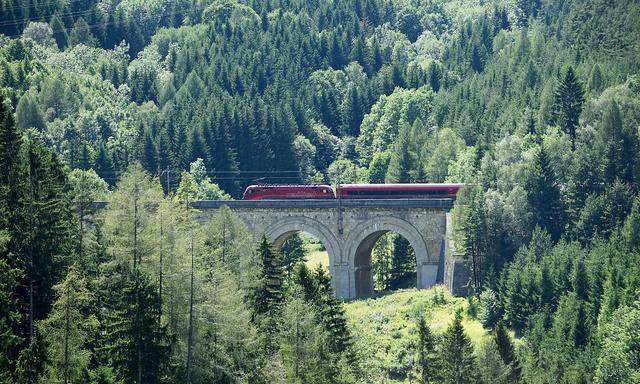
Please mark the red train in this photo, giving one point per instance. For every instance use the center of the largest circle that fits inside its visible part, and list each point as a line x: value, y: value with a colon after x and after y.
x: 351, y: 191
x: 398, y: 191
x: 288, y: 191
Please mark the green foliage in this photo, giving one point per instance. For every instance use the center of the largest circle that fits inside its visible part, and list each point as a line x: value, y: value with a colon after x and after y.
x: 568, y: 103
x: 543, y: 194
x: 456, y: 355
x: 136, y: 343
x: 66, y: 331
x: 293, y: 253
x: 427, y: 361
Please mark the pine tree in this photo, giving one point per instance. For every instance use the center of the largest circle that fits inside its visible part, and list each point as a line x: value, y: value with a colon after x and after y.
x: 66, y: 330
x: 617, y: 145
x: 402, y: 263
x: 269, y: 295
x: 458, y: 365
x: 427, y: 363
x: 81, y: 34
x: 580, y: 280
x: 506, y: 350
x: 136, y: 343
x: 28, y: 114
x: 293, y: 253
x: 543, y: 195
x: 568, y: 102
x: 59, y: 31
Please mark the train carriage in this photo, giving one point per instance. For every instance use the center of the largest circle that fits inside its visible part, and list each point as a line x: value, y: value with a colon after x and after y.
x: 285, y: 192
x: 398, y: 191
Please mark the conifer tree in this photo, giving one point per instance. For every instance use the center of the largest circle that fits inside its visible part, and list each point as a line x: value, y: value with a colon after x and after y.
x: 269, y: 295
x: 568, y: 102
x: 506, y: 350
x: 66, y: 330
x: 427, y: 363
x: 543, y: 195
x: 293, y: 252
x: 104, y: 165
x: 28, y: 114
x: 471, y: 225
x: 617, y: 146
x: 596, y: 82
x: 580, y: 280
x: 457, y: 361
x: 136, y: 343
x: 401, y: 158
x: 81, y: 34
x: 59, y: 31
x: 402, y: 263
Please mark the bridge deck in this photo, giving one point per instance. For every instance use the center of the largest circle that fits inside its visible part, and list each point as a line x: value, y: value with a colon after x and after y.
x: 317, y: 203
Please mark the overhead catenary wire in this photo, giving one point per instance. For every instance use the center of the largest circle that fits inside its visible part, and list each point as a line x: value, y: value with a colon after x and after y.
x: 146, y: 17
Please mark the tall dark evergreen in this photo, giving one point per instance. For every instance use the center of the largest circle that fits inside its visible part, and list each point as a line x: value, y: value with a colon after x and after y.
x: 268, y: 296
x: 617, y: 146
x: 568, y: 103
x: 427, y: 358
x: 543, y: 195
x: 136, y: 343
x: 457, y: 360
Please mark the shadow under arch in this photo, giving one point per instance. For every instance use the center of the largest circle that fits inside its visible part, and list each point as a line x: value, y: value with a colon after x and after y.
x: 363, y: 238
x: 282, y: 230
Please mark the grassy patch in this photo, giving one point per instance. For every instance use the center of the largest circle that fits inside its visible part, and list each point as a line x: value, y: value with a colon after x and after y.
x: 316, y: 254
x: 384, y: 328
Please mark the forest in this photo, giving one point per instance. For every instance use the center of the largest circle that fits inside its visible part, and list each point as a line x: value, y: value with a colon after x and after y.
x: 148, y: 105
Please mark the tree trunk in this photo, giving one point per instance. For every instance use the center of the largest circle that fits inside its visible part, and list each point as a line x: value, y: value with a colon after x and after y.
x: 190, y: 332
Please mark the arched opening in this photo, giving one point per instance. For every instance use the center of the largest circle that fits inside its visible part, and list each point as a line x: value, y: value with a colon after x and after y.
x: 317, y: 240
x: 384, y: 261
x: 298, y: 247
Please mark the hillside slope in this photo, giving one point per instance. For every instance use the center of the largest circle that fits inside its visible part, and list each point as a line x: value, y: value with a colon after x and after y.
x: 384, y: 328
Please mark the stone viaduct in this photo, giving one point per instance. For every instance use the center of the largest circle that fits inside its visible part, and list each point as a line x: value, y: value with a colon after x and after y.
x: 349, y: 229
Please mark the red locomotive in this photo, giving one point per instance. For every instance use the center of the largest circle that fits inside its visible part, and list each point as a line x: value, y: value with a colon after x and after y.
x: 352, y: 191
x: 276, y: 192
x: 398, y: 191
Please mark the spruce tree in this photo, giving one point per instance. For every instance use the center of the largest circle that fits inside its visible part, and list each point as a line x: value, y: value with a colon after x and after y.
x: 617, y: 146
x: 59, y: 31
x: 269, y: 295
x: 580, y: 280
x: 427, y: 363
x: 568, y: 103
x: 403, y: 263
x: 293, y: 253
x: 457, y: 361
x: 507, y: 353
x: 543, y: 195
x: 81, y: 34
x: 136, y: 343
x: 401, y: 158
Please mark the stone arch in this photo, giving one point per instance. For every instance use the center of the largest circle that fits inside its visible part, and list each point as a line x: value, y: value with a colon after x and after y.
x: 279, y: 231
x: 361, y: 241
